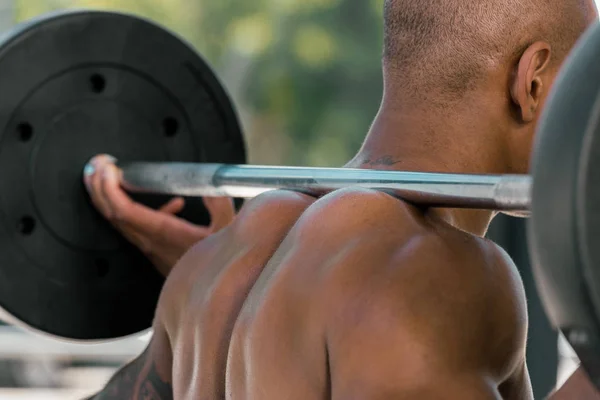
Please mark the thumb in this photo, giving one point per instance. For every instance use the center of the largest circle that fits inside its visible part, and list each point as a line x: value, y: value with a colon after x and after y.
x: 221, y: 211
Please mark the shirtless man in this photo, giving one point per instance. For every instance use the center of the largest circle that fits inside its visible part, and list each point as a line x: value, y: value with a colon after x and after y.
x: 359, y: 295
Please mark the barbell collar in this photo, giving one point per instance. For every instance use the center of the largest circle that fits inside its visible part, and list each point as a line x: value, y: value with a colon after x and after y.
x: 494, y: 192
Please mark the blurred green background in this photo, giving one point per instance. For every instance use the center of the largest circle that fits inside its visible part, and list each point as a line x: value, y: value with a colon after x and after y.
x: 305, y: 75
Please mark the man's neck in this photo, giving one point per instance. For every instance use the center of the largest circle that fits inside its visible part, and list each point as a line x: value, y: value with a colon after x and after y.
x: 413, y: 141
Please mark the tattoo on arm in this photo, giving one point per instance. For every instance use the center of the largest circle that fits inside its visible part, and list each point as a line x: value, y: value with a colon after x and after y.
x: 385, y: 160
x: 154, y: 388
x: 138, y: 380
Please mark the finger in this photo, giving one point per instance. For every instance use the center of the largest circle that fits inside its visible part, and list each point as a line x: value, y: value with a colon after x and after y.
x: 139, y: 223
x: 122, y: 208
x: 221, y: 210
x: 174, y: 206
x: 132, y: 217
x: 93, y: 182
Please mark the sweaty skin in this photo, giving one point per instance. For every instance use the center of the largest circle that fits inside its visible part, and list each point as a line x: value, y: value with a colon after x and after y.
x: 355, y: 295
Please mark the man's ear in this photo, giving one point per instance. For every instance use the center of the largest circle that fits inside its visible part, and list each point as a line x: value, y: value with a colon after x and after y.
x: 528, y: 86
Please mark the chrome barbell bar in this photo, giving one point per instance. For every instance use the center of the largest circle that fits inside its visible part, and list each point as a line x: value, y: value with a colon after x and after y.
x: 494, y: 192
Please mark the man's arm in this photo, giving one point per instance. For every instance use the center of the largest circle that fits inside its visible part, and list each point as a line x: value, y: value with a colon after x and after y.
x: 137, y: 380
x: 578, y: 386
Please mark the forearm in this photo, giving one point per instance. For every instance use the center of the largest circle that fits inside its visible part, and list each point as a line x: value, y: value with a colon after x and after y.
x: 578, y: 386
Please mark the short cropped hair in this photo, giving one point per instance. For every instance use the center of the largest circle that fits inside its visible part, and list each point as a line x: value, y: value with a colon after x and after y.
x: 445, y: 45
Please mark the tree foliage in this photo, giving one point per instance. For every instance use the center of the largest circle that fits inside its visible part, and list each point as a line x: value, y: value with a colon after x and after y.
x: 304, y: 74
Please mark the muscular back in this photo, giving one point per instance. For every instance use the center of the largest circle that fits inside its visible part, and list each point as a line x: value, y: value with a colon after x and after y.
x: 368, y: 298
x: 356, y: 295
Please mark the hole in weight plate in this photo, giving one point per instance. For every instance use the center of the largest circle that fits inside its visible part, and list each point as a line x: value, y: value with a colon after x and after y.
x: 102, y: 267
x: 25, y: 131
x: 26, y: 225
x: 98, y: 83
x: 170, y: 126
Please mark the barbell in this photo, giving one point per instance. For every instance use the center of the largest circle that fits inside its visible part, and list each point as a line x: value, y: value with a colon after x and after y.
x: 81, y: 83
x: 498, y: 192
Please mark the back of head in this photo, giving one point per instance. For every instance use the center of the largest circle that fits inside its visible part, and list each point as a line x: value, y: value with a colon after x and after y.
x: 442, y: 48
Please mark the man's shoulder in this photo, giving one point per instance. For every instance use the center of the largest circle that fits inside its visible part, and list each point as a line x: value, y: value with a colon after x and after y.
x: 407, y: 257
x: 407, y: 263
x: 358, y: 211
x: 380, y: 232
x: 271, y: 206
x: 389, y: 273
x: 399, y: 229
x: 336, y: 209
x: 339, y: 215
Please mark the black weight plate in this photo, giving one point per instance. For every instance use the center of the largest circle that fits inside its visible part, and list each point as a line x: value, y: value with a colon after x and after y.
x: 74, y: 85
x: 565, y: 225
